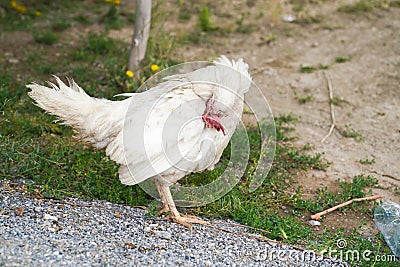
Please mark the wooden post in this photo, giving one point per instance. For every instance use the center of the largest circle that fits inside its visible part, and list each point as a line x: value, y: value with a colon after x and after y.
x: 140, y: 36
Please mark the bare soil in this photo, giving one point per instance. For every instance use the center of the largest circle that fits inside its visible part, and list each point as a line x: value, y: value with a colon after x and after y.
x: 367, y: 86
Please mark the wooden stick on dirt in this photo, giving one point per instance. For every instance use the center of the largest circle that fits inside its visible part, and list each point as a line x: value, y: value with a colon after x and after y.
x: 322, y: 213
x: 330, y: 90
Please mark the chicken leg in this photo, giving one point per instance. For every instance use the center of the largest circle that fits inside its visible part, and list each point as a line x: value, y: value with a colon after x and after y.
x: 169, y: 206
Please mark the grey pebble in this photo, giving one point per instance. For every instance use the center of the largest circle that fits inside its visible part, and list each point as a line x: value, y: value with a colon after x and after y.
x: 50, y: 217
x: 66, y: 235
x: 314, y: 223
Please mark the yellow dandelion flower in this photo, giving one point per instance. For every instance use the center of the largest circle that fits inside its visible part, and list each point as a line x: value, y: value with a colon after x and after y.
x: 38, y: 13
x: 117, y: 2
x: 22, y: 9
x: 14, y: 4
x: 129, y: 73
x: 155, y: 67
x: 108, y: 1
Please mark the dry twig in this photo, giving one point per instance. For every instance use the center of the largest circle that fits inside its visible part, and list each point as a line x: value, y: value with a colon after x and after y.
x: 322, y: 213
x: 330, y: 90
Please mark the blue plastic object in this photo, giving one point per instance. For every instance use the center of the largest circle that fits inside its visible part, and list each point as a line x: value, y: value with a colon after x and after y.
x: 387, y: 219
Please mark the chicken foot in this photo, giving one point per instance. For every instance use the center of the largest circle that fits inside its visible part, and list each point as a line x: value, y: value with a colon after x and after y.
x: 169, y: 206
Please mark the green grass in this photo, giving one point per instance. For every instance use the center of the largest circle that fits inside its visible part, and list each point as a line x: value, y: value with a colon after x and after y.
x: 205, y: 22
x: 323, y: 67
x: 349, y: 132
x: 115, y: 18
x: 267, y: 39
x: 337, y: 101
x: 311, y: 69
x: 60, y: 25
x: 194, y: 38
x: 82, y: 19
x: 11, y: 20
x: 44, y: 155
x: 303, y: 99
x: 358, y: 7
x: 185, y: 10
x: 363, y: 6
x: 326, y: 199
x: 367, y: 161
x: 243, y: 27
x: 307, y: 69
x: 342, y: 59
x: 47, y: 38
x: 99, y: 44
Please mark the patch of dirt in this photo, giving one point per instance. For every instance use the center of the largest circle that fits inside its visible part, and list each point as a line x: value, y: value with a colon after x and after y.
x: 368, y: 83
x: 367, y: 86
x: 350, y: 221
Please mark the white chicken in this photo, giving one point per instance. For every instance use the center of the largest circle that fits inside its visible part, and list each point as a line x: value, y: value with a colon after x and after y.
x: 180, y: 126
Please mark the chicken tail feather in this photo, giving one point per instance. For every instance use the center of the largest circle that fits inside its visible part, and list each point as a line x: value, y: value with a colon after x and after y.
x: 90, y: 117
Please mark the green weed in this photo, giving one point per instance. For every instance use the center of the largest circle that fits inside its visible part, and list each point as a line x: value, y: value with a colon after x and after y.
x: 84, y: 20
x: 358, y: 7
x: 245, y: 27
x: 307, y: 69
x: 185, y: 10
x: 342, y: 59
x: 326, y: 199
x: 195, y: 37
x: 268, y: 38
x: 363, y: 6
x: 60, y: 25
x: 99, y: 44
x: 205, y: 22
x: 349, y: 132
x: 303, y: 99
x: 337, y: 101
x: 367, y: 161
x: 112, y: 18
x: 323, y: 67
x: 47, y: 38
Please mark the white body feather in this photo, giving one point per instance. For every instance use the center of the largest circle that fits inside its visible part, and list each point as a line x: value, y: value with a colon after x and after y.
x: 140, y: 132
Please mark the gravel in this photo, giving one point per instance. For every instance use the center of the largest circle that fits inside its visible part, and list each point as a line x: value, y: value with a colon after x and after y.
x: 41, y: 232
